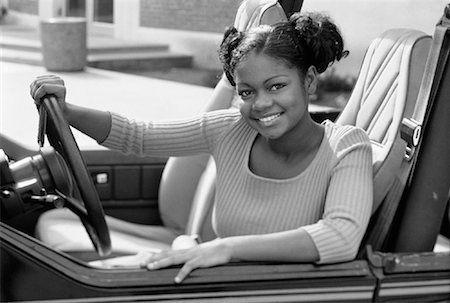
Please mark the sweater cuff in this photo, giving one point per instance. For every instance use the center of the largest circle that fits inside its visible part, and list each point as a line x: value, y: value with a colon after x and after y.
x: 115, y: 137
x: 322, y: 241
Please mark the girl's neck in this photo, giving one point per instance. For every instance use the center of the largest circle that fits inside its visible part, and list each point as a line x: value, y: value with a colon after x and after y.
x: 298, y: 142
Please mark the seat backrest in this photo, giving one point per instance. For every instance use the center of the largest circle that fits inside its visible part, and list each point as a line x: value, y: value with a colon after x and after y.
x: 386, y: 88
x: 179, y: 182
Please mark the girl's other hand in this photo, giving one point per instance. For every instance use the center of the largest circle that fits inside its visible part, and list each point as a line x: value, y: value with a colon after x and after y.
x: 207, y: 254
x: 48, y: 85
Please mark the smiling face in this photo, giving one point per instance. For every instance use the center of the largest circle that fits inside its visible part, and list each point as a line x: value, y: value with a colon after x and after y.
x: 275, y: 96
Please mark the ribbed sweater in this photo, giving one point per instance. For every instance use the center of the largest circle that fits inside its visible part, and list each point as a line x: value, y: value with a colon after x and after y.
x: 331, y: 199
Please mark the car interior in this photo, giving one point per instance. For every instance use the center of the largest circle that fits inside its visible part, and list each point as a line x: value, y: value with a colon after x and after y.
x: 383, y: 101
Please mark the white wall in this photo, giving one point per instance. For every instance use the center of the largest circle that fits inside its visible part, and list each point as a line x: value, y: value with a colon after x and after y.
x: 51, y: 9
x: 361, y: 21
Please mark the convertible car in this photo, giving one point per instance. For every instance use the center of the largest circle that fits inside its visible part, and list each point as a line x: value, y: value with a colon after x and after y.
x: 401, y: 98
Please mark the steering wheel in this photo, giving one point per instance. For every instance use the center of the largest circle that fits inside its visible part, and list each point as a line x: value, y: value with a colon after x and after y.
x: 61, y: 138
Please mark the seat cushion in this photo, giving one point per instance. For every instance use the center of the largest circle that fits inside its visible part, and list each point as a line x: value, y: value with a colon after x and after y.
x: 62, y: 230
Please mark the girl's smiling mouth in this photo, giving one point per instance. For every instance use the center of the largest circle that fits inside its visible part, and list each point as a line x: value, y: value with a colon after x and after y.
x: 269, y: 120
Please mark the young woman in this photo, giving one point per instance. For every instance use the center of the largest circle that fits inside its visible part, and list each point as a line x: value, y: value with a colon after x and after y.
x: 288, y: 189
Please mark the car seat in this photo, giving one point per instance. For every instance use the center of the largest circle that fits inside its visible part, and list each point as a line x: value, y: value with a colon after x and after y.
x: 62, y: 230
x: 386, y: 89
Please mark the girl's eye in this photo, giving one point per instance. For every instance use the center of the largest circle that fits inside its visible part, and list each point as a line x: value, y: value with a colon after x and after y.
x: 245, y: 94
x: 276, y: 86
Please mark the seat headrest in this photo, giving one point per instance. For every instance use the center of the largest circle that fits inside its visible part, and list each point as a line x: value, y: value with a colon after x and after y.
x: 253, y: 13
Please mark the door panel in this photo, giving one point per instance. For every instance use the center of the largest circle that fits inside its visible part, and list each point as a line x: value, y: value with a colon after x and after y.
x: 127, y: 185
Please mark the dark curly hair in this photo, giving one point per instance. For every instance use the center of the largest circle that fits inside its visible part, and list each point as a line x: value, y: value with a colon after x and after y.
x: 307, y: 39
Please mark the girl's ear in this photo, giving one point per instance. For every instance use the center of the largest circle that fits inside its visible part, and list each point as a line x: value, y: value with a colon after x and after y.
x: 311, y: 80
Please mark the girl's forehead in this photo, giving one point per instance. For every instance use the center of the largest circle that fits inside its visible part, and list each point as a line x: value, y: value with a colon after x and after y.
x: 260, y: 57
x: 261, y: 67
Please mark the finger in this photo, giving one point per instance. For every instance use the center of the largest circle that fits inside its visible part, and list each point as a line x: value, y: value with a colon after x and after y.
x: 172, y: 259
x: 187, y: 268
x: 47, y: 89
x: 34, y: 86
x: 158, y: 256
x: 166, y: 262
x: 165, y: 254
x: 46, y: 79
x: 50, y: 78
x: 143, y: 258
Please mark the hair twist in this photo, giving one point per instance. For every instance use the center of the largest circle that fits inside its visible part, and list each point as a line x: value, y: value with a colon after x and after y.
x: 231, y: 39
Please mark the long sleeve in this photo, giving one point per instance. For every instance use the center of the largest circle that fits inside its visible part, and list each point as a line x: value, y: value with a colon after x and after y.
x: 183, y: 137
x: 348, y: 204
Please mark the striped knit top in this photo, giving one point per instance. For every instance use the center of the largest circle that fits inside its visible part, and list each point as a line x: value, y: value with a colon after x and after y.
x: 331, y: 199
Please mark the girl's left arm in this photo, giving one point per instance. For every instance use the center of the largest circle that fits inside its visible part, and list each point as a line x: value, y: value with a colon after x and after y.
x: 334, y: 238
x: 289, y: 246
x: 349, y: 200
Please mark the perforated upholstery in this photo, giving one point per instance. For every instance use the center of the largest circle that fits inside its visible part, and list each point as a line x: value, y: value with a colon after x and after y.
x: 386, y: 88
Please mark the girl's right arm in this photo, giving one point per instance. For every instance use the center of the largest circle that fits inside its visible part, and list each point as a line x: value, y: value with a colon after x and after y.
x: 94, y: 123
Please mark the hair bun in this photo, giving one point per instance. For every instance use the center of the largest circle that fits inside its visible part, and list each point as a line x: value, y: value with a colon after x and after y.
x: 321, y: 37
x: 306, y: 26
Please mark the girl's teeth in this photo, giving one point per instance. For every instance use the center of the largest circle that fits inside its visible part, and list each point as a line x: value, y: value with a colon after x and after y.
x: 269, y: 118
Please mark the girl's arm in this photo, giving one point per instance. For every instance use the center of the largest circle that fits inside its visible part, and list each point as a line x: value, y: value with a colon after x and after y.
x: 348, y: 205
x: 287, y: 246
x: 222, y: 96
x: 92, y: 122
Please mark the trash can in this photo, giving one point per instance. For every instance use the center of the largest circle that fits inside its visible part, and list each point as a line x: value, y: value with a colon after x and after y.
x: 63, y: 42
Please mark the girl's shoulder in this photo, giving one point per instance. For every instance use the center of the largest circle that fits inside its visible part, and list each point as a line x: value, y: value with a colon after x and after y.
x: 230, y: 118
x: 230, y: 115
x: 345, y: 136
x: 223, y: 123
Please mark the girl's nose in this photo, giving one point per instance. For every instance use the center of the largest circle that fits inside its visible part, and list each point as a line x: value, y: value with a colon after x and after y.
x: 262, y: 102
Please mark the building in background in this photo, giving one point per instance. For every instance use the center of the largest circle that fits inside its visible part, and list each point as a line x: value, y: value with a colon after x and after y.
x: 196, y: 26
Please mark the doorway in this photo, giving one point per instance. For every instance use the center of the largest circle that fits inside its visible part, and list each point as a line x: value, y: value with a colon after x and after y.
x: 98, y: 13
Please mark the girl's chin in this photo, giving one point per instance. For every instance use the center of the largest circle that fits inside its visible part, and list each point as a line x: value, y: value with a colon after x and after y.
x: 268, y: 132
x: 270, y: 135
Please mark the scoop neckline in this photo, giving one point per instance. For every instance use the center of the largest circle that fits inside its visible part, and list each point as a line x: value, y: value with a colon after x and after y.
x: 284, y: 180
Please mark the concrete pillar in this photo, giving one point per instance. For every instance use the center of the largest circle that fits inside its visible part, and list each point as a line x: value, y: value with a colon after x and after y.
x: 64, y: 43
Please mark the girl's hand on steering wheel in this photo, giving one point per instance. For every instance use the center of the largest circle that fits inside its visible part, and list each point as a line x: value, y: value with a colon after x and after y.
x: 48, y: 85
x: 207, y: 254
